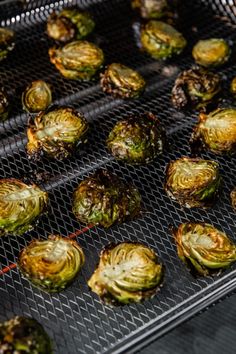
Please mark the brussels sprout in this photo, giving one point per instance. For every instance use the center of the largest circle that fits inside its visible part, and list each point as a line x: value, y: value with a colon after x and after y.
x: 195, y: 87
x: 78, y: 60
x: 69, y: 24
x: 104, y: 199
x: 127, y: 272
x: 233, y: 198
x: 51, y: 264
x: 37, y: 96
x: 20, y: 205
x: 193, y: 182
x: 4, y: 105
x: 233, y: 86
x: 204, y: 248
x: 7, y: 44
x: 137, y: 140
x: 161, y: 40
x: 122, y: 81
x: 150, y: 8
x: 216, y: 132
x: 211, y: 52
x: 21, y: 335
x: 56, y: 133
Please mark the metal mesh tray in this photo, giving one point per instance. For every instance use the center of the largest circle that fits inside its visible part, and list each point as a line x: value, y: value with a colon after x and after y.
x: 75, y: 319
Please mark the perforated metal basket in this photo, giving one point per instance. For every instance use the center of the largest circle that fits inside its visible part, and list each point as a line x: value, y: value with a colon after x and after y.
x: 75, y: 319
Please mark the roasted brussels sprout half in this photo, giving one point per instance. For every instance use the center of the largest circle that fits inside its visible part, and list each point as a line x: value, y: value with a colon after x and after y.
x: 104, y: 199
x: 127, y: 272
x: 150, y: 8
x: 55, y: 133
x: 69, y: 24
x: 78, y: 60
x: 204, y: 248
x: 7, y: 44
x: 20, y: 205
x: 4, y: 105
x: 195, y: 88
x: 22, y: 335
x: 37, y: 96
x: 233, y: 86
x: 216, y: 132
x: 161, y: 40
x: 211, y: 52
x: 122, y: 81
x: 193, y: 182
x: 137, y: 140
x: 233, y: 198
x: 51, y: 264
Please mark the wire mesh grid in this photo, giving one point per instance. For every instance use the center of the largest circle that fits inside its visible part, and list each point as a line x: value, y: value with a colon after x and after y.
x: 75, y: 319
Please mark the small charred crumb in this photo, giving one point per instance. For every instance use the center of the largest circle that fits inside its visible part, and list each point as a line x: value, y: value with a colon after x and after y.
x: 131, y: 263
x: 138, y: 139
x: 216, y: 132
x: 233, y: 87
x: 233, y: 198
x: 105, y: 199
x: 122, y: 81
x: 69, y: 24
x: 4, y: 105
x: 205, y: 249
x: 24, y: 335
x: 195, y: 88
x: 193, y: 182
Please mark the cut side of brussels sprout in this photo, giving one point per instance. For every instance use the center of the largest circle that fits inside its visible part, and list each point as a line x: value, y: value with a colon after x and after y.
x: 37, y: 96
x: 56, y: 133
x: 7, y: 44
x: 51, y: 264
x: 137, y: 140
x: 105, y: 199
x: 20, y: 206
x: 22, y: 335
x: 69, y: 24
x: 161, y: 40
x: 78, y: 60
x: 150, y: 9
x: 127, y: 272
x: 4, y: 105
x: 122, y: 81
x: 233, y: 86
x: 195, y: 88
x: 216, y: 132
x: 233, y: 198
x: 204, y: 248
x: 211, y: 52
x: 193, y: 182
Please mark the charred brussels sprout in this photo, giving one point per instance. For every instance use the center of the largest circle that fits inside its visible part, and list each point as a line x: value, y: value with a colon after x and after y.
x: 20, y: 205
x: 122, y: 81
x: 78, y: 60
x: 21, y: 335
x: 51, y: 264
x: 4, y: 106
x: 56, y: 133
x: 161, y: 40
x: 233, y: 198
x: 233, y: 86
x: 104, y: 199
x: 204, y: 248
x: 150, y: 8
x: 137, y: 140
x: 195, y: 87
x: 69, y: 24
x: 127, y: 272
x: 211, y: 52
x: 37, y: 96
x: 7, y: 44
x: 216, y: 132
x: 193, y: 182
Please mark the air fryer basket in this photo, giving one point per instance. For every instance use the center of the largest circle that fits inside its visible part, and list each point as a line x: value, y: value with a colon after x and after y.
x: 75, y: 319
